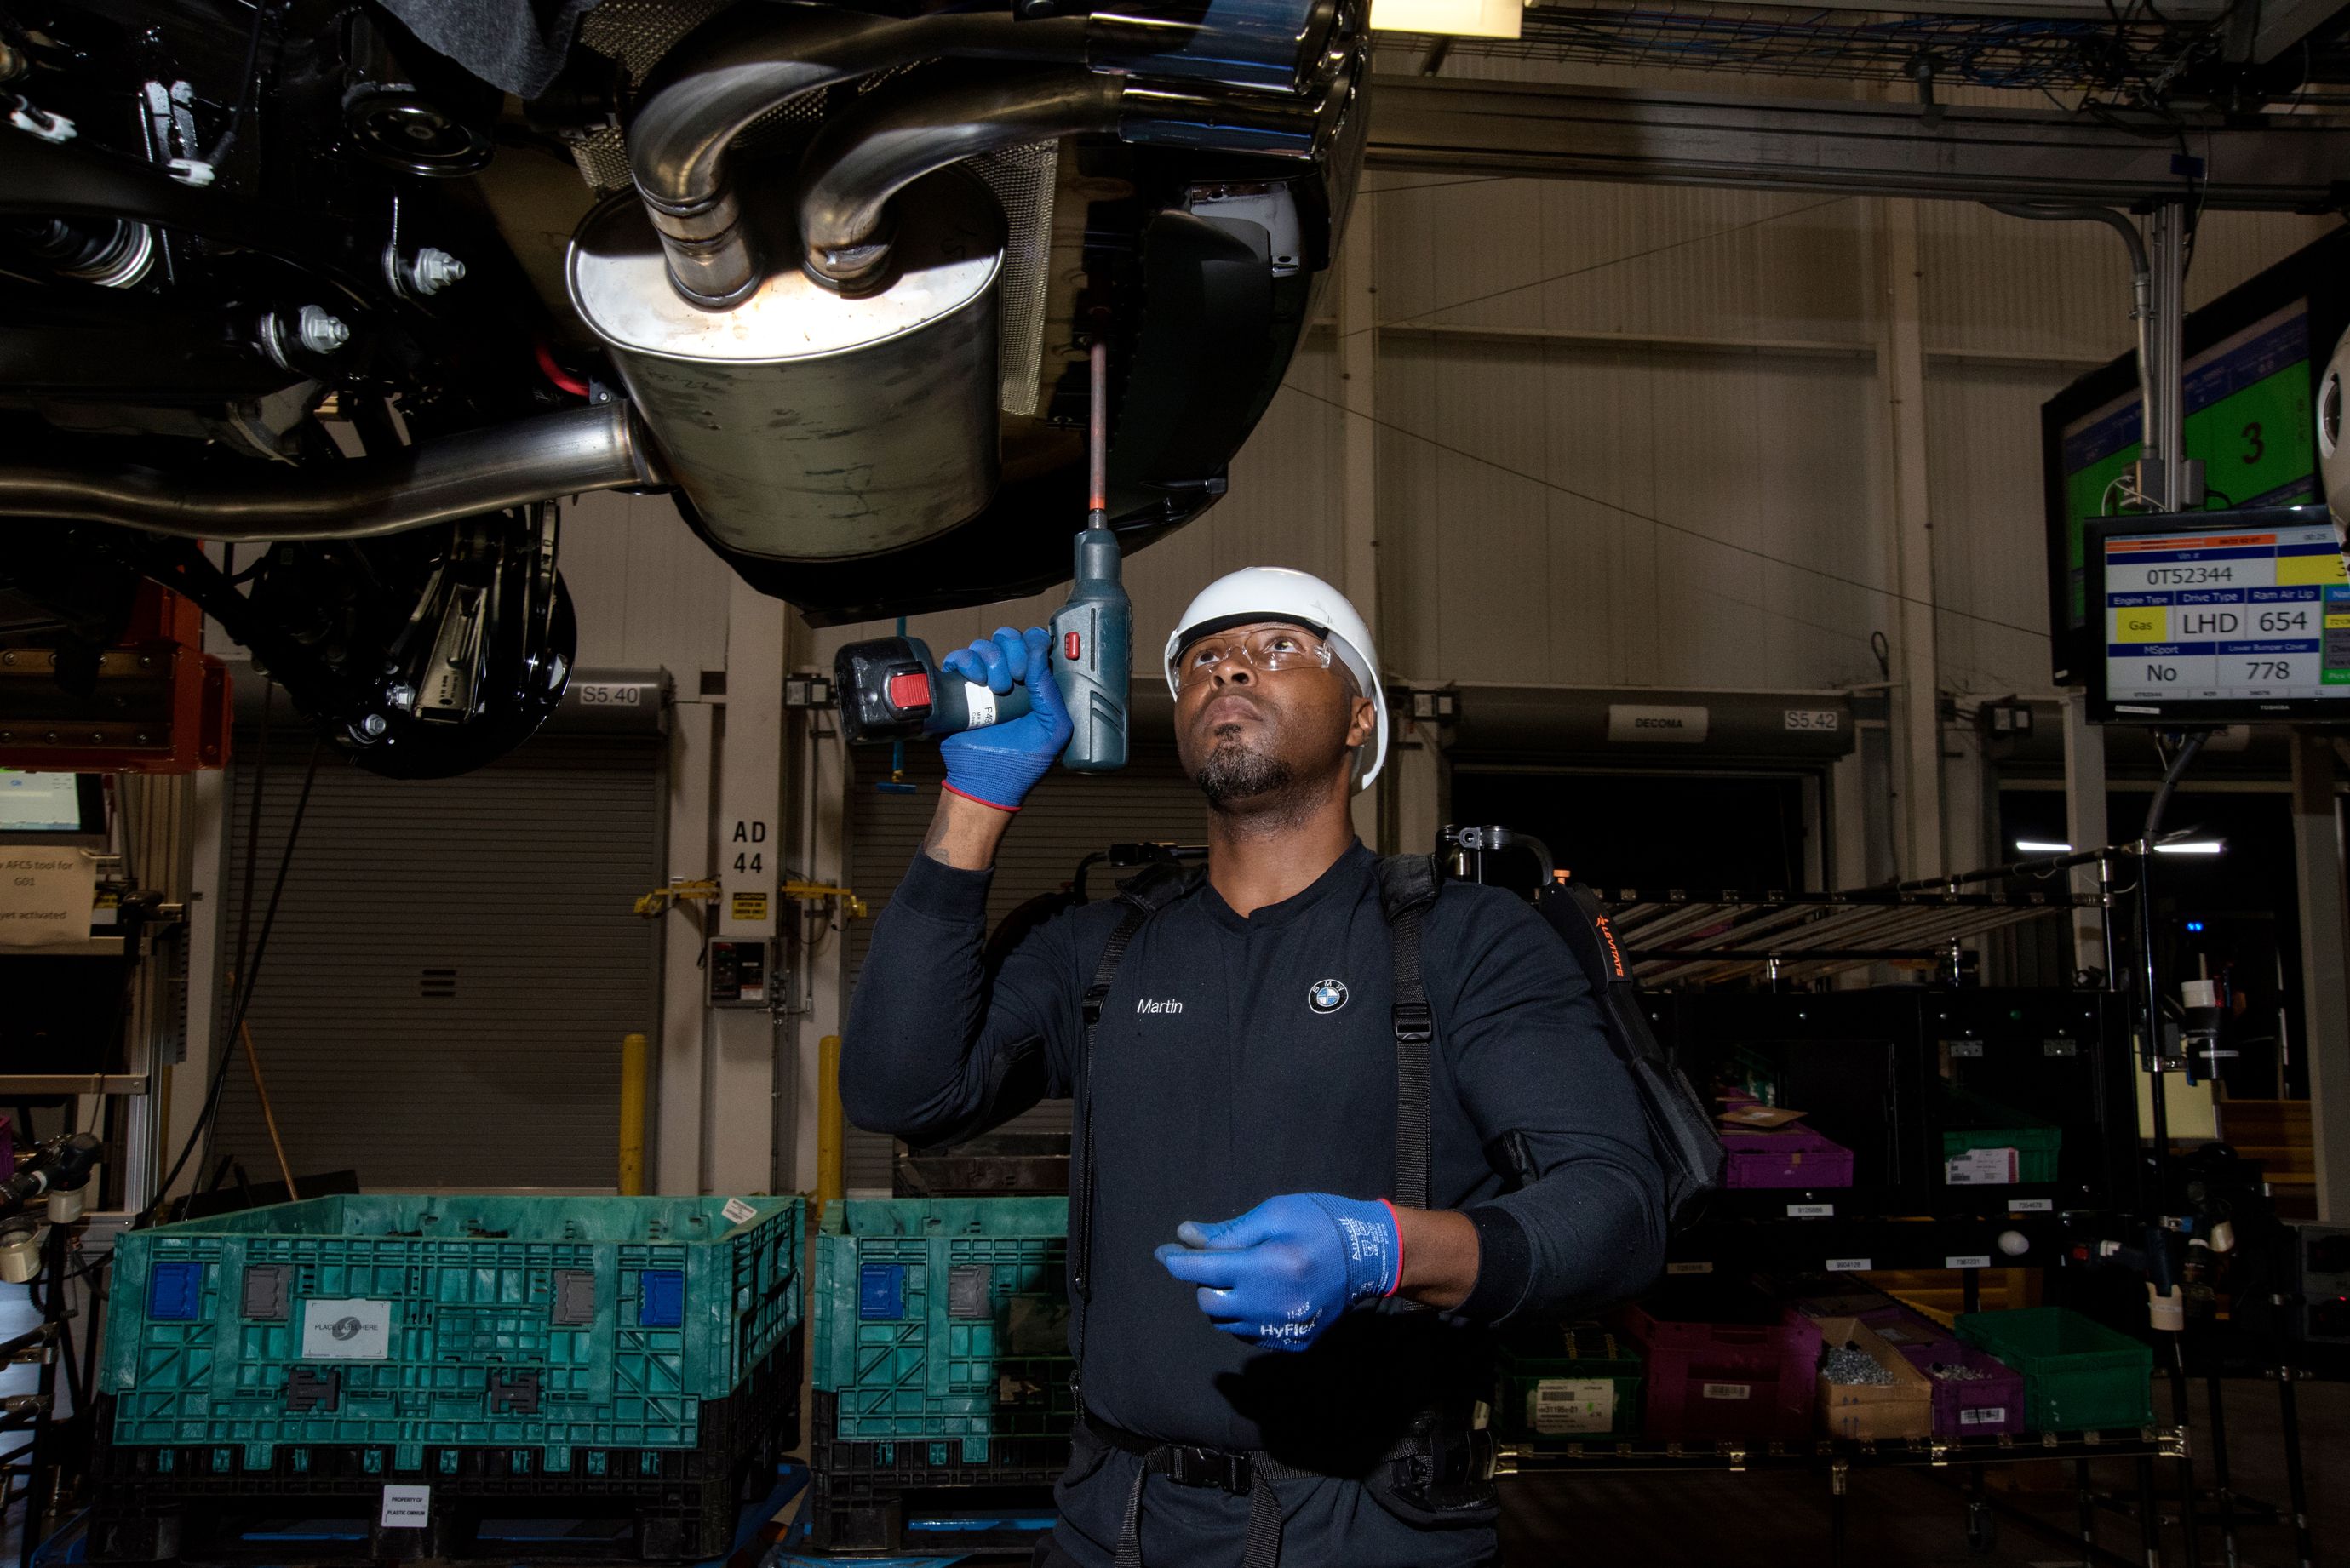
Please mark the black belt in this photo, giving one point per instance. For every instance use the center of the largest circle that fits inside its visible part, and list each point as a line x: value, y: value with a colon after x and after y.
x: 1248, y: 1475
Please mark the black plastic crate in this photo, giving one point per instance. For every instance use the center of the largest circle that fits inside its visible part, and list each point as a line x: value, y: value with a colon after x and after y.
x: 862, y: 1494
x: 198, y: 1504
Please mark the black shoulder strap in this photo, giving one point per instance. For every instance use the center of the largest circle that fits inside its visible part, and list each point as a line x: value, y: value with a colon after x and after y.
x: 1408, y: 886
x: 1580, y: 922
x: 1681, y: 1121
x: 1140, y: 898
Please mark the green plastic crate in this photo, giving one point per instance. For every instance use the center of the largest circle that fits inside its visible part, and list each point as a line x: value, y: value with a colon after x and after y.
x: 943, y: 1319
x: 2078, y: 1375
x: 402, y: 1322
x: 1972, y: 1121
x: 1568, y: 1383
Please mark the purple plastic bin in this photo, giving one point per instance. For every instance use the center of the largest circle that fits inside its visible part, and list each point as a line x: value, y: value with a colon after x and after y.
x: 1795, y: 1156
x: 1982, y: 1407
x: 1737, y: 1368
x: 1985, y: 1406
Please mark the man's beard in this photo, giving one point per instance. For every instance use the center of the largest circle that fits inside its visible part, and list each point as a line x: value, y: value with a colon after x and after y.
x: 1234, y: 774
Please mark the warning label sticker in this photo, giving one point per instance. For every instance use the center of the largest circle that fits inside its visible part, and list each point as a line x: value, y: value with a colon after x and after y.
x: 748, y: 907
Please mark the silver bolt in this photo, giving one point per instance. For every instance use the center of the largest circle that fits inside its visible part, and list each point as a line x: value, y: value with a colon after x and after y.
x: 400, y: 696
x: 319, y: 332
x: 433, y: 270
x: 373, y: 724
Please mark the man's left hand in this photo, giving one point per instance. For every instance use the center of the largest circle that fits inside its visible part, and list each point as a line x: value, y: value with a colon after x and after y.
x: 1281, y: 1274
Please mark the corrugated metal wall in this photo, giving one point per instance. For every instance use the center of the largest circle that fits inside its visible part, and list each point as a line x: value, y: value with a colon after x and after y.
x: 453, y: 964
x: 648, y: 593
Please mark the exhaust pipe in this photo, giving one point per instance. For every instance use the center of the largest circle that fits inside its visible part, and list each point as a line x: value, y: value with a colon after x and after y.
x: 748, y: 61
x: 599, y: 448
x: 864, y: 158
x: 734, y: 71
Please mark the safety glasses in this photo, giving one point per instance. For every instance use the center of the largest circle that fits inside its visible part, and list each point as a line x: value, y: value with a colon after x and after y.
x: 1266, y: 652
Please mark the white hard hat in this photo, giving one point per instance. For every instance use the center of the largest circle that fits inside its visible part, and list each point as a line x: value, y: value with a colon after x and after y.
x: 1300, y: 598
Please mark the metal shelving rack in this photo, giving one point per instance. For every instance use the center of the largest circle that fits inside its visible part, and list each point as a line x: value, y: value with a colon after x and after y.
x: 151, y: 879
x: 1677, y: 937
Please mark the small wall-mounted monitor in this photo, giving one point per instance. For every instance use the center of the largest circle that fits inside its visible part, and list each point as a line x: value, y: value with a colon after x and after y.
x: 52, y: 808
x: 2220, y: 617
x: 2253, y: 359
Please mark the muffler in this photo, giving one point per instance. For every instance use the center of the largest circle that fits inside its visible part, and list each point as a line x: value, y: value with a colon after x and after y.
x: 804, y: 422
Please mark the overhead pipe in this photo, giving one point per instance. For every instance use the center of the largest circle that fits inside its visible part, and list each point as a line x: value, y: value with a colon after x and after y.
x: 863, y: 159
x: 748, y: 61
x: 2141, y: 292
x: 596, y: 448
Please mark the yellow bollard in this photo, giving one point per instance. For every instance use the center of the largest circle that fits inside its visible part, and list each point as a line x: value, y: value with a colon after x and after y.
x: 632, y: 1115
x: 831, y: 1143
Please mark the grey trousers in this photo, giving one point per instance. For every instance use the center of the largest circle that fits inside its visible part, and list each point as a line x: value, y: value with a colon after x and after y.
x: 1327, y: 1522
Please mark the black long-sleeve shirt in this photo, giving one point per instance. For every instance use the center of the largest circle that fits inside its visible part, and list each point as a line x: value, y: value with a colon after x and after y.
x: 1222, y: 1077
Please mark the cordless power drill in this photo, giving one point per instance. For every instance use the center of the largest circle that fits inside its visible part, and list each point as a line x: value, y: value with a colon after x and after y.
x: 890, y: 689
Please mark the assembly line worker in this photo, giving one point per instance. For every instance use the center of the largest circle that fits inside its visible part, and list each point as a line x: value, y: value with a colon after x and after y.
x: 1241, y: 1344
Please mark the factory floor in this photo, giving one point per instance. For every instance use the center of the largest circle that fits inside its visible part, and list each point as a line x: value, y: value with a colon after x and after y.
x: 1915, y: 1518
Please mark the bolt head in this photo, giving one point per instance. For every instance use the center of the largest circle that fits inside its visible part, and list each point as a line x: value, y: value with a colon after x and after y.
x: 373, y: 724
x: 320, y: 332
x: 433, y: 270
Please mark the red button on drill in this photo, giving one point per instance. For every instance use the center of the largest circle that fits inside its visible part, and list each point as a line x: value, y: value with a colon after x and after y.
x: 911, y: 689
x: 1070, y: 646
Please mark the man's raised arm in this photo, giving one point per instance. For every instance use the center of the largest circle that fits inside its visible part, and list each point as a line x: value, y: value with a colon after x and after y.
x: 935, y: 1048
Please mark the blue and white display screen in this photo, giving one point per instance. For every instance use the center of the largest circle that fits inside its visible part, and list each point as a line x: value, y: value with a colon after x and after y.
x: 40, y: 803
x: 2254, y: 616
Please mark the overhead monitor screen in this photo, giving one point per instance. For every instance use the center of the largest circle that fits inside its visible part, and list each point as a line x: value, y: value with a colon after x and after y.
x: 2223, y: 615
x: 2248, y: 419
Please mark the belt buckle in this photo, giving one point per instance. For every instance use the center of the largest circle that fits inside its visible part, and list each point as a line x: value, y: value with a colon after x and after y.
x: 1212, y: 1467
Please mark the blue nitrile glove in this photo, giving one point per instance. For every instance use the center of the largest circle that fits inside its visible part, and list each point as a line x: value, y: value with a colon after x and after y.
x: 1000, y: 764
x: 1282, y: 1272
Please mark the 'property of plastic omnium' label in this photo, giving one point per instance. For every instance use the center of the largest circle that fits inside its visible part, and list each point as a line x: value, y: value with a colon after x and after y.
x: 345, y: 1331
x: 1557, y: 1406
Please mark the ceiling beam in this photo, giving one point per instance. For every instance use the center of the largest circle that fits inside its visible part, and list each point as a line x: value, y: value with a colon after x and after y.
x: 2282, y: 25
x: 1843, y: 146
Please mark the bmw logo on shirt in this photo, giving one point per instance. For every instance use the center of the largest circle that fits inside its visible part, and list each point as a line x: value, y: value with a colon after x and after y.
x: 1326, y: 995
